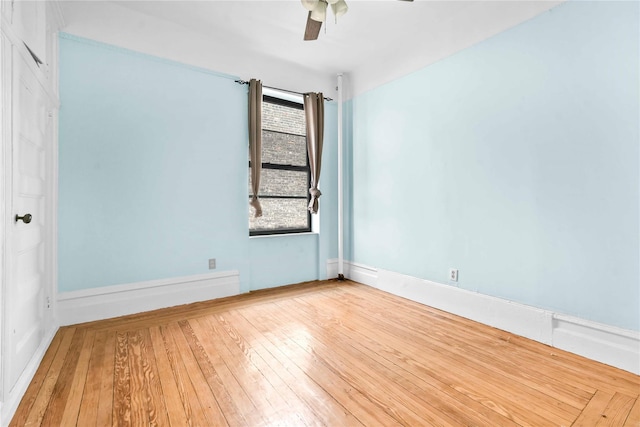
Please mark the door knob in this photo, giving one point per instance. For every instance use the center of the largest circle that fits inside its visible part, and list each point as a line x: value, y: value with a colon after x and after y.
x: 26, y: 218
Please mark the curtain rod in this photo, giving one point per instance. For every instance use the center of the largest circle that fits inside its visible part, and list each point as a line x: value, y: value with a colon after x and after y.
x: 244, y: 82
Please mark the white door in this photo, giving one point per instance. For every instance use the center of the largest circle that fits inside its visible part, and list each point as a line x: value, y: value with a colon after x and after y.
x: 28, y: 263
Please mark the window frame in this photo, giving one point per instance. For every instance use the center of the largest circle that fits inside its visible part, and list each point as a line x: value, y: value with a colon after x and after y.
x: 278, y: 166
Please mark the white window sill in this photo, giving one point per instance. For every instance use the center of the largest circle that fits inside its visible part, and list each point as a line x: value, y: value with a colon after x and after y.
x: 309, y: 233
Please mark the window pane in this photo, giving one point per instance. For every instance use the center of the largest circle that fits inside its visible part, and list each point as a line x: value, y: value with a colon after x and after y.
x: 283, y: 119
x: 284, y: 149
x: 276, y: 182
x: 283, y: 193
x: 280, y: 214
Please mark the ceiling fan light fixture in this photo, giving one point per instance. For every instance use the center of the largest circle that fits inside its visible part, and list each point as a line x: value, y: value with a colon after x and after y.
x: 319, y: 13
x: 339, y: 8
x: 332, y: 1
x: 310, y: 4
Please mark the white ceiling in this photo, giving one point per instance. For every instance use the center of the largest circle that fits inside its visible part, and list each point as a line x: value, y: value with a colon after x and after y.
x: 375, y: 42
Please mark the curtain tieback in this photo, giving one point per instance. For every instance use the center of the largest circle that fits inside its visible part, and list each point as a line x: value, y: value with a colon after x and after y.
x: 315, y: 193
x: 313, y: 204
x: 255, y: 202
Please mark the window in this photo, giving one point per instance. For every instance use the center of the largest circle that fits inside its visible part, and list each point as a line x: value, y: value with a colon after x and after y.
x: 285, y: 177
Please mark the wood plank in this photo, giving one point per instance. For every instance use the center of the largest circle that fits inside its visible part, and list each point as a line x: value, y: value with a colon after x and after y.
x: 62, y: 388
x: 176, y: 410
x: 121, y: 383
x: 633, y: 419
x: 592, y: 413
x: 157, y: 407
x: 72, y: 406
x: 147, y: 403
x: 104, y: 409
x: 617, y: 411
x: 87, y: 415
x: 138, y: 390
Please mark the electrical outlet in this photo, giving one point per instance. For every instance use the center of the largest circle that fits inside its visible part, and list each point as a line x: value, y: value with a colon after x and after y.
x: 212, y: 264
x: 453, y: 274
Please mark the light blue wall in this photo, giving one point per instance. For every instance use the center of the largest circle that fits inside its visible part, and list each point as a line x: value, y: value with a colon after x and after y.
x: 515, y: 161
x: 153, y: 175
x: 283, y: 260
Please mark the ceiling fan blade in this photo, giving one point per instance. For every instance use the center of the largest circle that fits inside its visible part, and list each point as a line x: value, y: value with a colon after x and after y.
x: 313, y: 29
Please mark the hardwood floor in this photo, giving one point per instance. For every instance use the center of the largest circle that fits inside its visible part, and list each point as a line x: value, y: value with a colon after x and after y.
x: 324, y: 353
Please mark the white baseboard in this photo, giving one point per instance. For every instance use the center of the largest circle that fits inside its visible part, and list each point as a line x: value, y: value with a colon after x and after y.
x: 613, y: 346
x: 121, y: 300
x: 332, y: 268
x: 357, y: 272
x: 603, y: 343
x: 14, y: 396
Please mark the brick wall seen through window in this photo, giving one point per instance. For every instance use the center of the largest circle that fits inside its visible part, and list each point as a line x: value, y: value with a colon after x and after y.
x: 284, y: 182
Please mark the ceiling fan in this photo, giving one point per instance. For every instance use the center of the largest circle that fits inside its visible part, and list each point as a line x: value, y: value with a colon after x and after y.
x: 318, y: 14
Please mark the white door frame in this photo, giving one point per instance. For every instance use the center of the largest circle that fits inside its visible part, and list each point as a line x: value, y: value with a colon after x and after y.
x: 10, y: 43
x: 6, y: 183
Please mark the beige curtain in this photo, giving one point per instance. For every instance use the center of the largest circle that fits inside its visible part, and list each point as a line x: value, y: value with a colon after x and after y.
x: 314, y: 113
x: 255, y: 141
